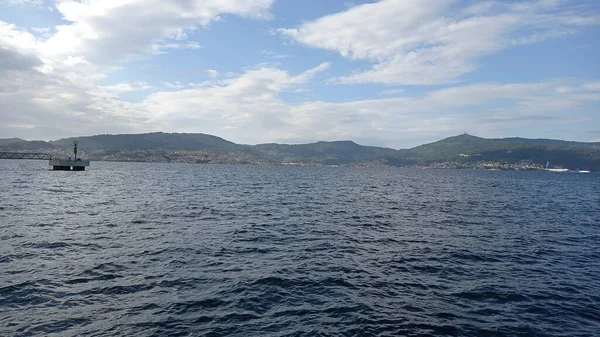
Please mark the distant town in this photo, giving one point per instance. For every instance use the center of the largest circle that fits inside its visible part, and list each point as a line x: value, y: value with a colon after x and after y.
x: 458, y: 152
x: 207, y: 157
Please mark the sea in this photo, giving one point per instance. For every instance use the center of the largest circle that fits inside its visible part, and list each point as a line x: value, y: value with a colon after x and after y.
x: 149, y: 249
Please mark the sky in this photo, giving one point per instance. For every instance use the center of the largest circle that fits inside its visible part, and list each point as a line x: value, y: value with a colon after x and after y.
x: 394, y: 73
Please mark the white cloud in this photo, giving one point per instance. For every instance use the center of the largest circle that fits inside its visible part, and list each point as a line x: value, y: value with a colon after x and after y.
x: 15, y: 38
x: 275, y: 55
x: 248, y: 109
x: 60, y: 97
x: 421, y: 42
x: 37, y: 3
x: 49, y: 88
x: 391, y: 92
x: 593, y: 86
x: 103, y: 31
x: 126, y: 87
x: 51, y: 81
x: 231, y: 98
x: 41, y: 29
x: 158, y: 49
x: 174, y: 85
x: 309, y: 74
x: 211, y: 73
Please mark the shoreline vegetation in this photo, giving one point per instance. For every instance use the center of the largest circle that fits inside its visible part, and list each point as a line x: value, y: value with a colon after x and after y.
x: 458, y: 152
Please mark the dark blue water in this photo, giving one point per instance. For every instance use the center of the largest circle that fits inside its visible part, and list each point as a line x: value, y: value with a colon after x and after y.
x: 187, y: 250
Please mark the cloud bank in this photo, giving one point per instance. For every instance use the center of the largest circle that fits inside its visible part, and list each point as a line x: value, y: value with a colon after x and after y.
x: 424, y: 42
x: 50, y: 79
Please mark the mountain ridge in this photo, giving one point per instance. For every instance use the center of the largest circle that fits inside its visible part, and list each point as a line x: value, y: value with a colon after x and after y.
x: 456, y: 151
x: 6, y: 141
x: 68, y: 141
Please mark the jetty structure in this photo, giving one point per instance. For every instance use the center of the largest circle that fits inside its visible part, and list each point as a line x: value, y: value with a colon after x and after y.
x: 75, y: 164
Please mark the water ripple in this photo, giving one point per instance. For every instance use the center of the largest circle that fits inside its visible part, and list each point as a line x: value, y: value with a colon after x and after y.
x: 184, y: 250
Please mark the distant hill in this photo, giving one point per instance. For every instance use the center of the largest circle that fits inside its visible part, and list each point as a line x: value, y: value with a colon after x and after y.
x: 152, y: 141
x: 339, y: 152
x: 7, y: 141
x: 21, y: 144
x: 467, y: 148
x: 458, y: 151
x: 468, y: 144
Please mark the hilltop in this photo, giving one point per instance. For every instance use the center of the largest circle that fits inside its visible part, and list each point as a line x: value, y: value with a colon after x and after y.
x: 21, y: 144
x: 7, y: 141
x: 467, y: 149
x: 151, y: 141
x: 338, y: 152
x: 458, y: 151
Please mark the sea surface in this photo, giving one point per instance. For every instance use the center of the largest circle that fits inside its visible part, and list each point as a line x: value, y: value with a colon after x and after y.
x: 139, y: 249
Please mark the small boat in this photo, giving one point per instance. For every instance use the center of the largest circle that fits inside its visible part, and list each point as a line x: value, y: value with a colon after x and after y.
x: 555, y: 169
x: 583, y: 171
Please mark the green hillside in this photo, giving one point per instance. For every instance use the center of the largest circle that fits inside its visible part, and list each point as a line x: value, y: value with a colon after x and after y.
x: 340, y: 152
x: 469, y: 148
x: 8, y: 141
x: 153, y: 141
x: 458, y: 151
x: 23, y: 145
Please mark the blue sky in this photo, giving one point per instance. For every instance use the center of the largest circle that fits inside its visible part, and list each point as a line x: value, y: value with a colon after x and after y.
x: 394, y: 73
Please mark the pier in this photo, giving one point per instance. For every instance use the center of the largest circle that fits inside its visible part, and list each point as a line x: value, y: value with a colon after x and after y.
x: 69, y: 164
